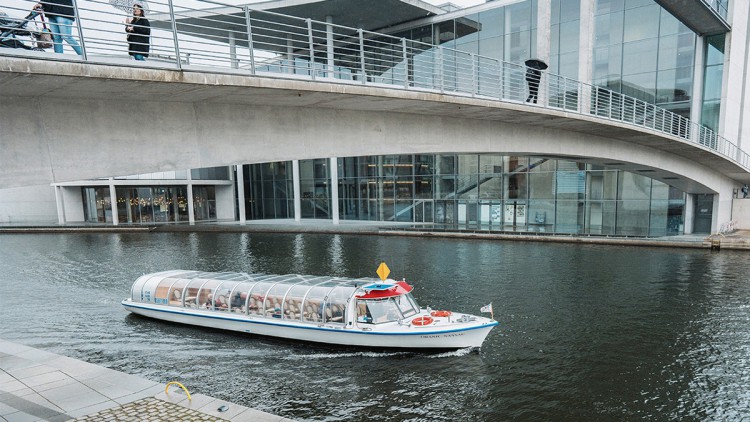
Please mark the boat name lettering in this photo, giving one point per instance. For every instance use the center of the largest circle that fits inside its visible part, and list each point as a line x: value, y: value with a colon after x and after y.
x: 442, y: 335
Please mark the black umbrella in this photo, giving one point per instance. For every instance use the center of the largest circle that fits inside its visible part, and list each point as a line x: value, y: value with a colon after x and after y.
x: 536, y: 64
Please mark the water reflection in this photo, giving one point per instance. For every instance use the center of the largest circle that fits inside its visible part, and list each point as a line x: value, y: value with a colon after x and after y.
x: 587, y: 332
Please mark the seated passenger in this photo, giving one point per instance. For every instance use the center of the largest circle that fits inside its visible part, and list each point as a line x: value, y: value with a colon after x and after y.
x: 238, y: 300
x: 209, y: 302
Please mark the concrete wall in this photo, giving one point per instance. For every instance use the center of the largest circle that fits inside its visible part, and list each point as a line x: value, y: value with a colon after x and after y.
x: 30, y: 204
x: 741, y: 213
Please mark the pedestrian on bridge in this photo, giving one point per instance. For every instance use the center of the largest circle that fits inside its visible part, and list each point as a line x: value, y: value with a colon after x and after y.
x: 61, y: 16
x: 139, y: 33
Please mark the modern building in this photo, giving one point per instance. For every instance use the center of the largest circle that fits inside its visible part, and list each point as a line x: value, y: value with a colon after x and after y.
x: 689, y: 59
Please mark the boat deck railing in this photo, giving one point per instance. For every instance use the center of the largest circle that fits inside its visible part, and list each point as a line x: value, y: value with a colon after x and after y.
x: 205, y: 35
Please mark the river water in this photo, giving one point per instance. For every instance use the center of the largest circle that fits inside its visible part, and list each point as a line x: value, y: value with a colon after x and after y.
x: 586, y: 332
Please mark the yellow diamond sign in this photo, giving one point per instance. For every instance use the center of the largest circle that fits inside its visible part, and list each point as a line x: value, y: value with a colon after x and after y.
x: 383, y: 271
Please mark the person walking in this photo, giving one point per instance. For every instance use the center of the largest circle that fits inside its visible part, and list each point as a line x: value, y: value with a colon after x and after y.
x: 139, y: 34
x: 533, y: 76
x: 61, y: 16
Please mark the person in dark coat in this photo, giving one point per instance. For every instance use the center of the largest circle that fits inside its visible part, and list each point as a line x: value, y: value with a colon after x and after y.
x: 533, y: 76
x: 62, y: 17
x: 139, y: 34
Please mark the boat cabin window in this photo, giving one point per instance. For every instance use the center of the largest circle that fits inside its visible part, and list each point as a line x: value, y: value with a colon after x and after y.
x: 257, y: 296
x: 406, y: 305
x: 335, y: 304
x: 175, y: 292
x: 313, y: 305
x: 206, y: 295
x: 292, y: 307
x: 161, y: 294
x: 191, y: 295
x: 224, y: 295
x: 378, y: 311
x: 273, y: 300
x: 239, y: 295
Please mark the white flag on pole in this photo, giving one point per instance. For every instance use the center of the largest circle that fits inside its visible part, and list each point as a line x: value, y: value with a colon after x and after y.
x: 486, y: 308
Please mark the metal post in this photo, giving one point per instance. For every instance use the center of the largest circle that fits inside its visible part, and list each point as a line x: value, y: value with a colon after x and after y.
x: 80, y: 30
x: 250, y: 40
x: 174, y: 36
x: 406, y: 63
x: 473, y: 74
x: 362, y: 55
x: 330, y: 64
x: 312, y: 48
x: 439, y: 64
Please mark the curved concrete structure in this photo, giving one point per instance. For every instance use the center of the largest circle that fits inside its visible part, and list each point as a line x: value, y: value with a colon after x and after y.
x: 64, y: 121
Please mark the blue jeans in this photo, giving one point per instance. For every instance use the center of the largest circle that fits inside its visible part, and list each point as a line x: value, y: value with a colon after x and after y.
x: 139, y: 57
x: 62, y: 29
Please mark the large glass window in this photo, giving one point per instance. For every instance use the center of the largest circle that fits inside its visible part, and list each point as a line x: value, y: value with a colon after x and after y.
x: 712, y: 81
x: 643, y: 51
x: 97, y: 207
x: 495, y: 191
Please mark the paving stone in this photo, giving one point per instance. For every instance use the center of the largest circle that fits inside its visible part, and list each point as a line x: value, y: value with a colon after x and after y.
x: 149, y: 409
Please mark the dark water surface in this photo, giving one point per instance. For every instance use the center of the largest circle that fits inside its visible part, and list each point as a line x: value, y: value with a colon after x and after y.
x: 586, y: 332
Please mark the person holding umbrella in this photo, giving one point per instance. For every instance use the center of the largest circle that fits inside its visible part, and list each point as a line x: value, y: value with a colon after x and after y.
x: 139, y: 33
x: 61, y: 16
x: 534, y: 69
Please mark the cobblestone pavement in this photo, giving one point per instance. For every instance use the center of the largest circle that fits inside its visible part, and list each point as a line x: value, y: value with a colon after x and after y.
x: 149, y: 409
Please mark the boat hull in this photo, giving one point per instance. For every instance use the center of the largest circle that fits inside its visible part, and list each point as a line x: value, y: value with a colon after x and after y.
x: 453, y: 336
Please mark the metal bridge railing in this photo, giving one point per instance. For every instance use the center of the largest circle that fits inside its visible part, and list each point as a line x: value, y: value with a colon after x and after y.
x: 225, y: 38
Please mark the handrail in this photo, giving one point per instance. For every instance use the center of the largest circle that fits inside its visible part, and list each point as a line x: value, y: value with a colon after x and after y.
x: 281, y: 46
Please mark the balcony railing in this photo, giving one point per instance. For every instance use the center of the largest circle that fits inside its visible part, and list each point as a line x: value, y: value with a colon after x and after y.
x: 218, y: 37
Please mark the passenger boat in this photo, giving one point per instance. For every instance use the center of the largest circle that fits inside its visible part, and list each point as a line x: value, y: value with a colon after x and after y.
x: 364, y: 312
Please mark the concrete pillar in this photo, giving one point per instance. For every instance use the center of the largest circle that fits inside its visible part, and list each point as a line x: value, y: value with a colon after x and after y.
x: 113, y: 202
x: 241, y: 193
x: 689, y: 213
x: 190, y: 202
x: 334, y: 189
x: 60, y: 205
x: 297, y: 194
x: 586, y: 54
x: 543, y: 39
x: 329, y: 48
x: 234, y: 63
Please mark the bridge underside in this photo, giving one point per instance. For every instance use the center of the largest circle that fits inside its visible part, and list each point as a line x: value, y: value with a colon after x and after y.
x: 71, y: 121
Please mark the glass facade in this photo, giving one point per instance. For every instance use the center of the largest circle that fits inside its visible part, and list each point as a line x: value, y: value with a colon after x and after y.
x: 642, y: 51
x: 148, y: 204
x: 492, y: 192
x: 273, y: 183
x: 712, y: 81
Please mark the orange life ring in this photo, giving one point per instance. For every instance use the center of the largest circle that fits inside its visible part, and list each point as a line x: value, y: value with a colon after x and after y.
x: 441, y: 313
x: 422, y: 321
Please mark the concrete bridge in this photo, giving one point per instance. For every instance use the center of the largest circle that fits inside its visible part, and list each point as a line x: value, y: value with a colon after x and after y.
x: 70, y: 120
x: 65, y: 121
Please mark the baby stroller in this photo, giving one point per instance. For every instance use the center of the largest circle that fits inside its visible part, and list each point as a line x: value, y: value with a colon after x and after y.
x: 10, y: 28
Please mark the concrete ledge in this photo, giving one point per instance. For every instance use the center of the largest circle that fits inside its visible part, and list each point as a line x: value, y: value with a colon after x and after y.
x: 38, y: 385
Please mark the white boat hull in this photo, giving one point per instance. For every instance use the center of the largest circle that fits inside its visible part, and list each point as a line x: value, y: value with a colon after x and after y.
x: 445, y: 333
